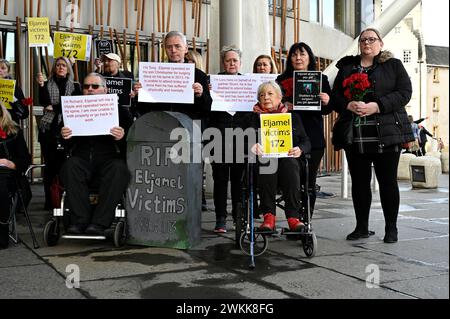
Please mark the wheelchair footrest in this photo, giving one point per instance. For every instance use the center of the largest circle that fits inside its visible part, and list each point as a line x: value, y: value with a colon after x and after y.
x: 288, y: 232
x: 264, y: 232
x: 94, y: 237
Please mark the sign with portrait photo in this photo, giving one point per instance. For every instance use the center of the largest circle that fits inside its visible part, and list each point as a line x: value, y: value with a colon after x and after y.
x: 307, y: 86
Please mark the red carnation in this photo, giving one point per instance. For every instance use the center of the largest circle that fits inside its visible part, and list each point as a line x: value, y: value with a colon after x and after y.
x: 356, y: 86
x: 3, y: 134
x: 27, y: 101
x: 288, y: 87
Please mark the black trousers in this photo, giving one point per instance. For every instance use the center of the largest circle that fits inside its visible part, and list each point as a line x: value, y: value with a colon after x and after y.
x: 385, y: 165
x: 313, y: 163
x: 287, y: 177
x: 53, y: 159
x: 6, y: 187
x: 77, y: 174
x: 222, y: 173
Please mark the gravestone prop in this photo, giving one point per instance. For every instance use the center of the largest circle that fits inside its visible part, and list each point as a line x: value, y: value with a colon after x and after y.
x: 163, y: 201
x: 104, y: 47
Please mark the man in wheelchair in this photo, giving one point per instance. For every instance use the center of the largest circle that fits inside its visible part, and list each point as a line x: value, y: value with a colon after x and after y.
x: 286, y: 176
x: 14, y: 160
x: 94, y: 157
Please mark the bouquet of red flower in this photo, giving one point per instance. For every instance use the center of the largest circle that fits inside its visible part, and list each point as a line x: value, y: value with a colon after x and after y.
x: 356, y: 86
x: 3, y: 134
x: 27, y: 101
x: 288, y: 87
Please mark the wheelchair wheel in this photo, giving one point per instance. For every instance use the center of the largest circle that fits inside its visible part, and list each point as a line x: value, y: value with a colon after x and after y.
x: 119, y: 234
x: 309, y: 242
x: 260, y: 243
x: 51, y: 233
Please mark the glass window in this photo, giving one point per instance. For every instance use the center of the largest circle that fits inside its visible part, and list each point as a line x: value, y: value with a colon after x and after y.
x: 313, y: 11
x: 328, y: 13
x: 436, y: 75
x: 436, y: 104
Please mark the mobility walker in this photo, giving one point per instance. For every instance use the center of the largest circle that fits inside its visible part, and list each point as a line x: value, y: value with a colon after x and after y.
x: 254, y: 242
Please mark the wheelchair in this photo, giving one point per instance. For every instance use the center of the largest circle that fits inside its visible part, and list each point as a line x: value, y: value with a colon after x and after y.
x: 61, y: 218
x: 18, y: 200
x: 254, y: 242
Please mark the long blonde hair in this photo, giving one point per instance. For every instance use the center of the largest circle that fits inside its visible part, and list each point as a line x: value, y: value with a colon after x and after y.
x: 6, y: 122
x: 197, y: 58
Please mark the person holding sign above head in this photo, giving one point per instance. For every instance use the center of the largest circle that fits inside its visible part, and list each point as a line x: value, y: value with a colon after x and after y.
x: 286, y: 129
x: 94, y: 158
x: 301, y: 58
x: 17, y: 107
x: 60, y: 83
x: 264, y: 64
x: 371, y: 91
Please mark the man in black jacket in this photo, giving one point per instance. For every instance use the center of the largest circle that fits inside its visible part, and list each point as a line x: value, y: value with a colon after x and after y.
x: 94, y: 158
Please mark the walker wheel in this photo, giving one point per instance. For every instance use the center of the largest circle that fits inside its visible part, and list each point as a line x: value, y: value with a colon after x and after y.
x: 119, y: 234
x: 260, y: 243
x: 51, y: 233
x: 309, y: 242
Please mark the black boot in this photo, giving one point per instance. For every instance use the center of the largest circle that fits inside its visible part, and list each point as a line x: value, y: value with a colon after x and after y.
x: 4, y: 236
x: 391, y: 234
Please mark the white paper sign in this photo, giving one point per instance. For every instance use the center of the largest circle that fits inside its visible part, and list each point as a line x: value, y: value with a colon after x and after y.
x: 166, y: 82
x: 90, y: 115
x: 236, y: 93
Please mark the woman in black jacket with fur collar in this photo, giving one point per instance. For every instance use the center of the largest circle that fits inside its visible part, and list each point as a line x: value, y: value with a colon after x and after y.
x: 377, y: 126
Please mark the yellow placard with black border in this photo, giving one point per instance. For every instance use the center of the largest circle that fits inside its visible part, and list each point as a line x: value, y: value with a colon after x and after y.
x: 38, y: 32
x: 73, y: 45
x: 276, y: 134
x: 7, y: 92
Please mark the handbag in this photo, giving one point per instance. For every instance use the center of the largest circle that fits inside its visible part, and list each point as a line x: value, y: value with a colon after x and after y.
x: 46, y: 121
x: 343, y: 131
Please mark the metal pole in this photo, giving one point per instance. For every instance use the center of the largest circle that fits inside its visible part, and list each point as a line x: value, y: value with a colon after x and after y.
x: 344, y: 179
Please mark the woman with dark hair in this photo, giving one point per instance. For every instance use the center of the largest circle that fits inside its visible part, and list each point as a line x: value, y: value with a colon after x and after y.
x: 60, y: 83
x: 18, y: 109
x: 301, y: 58
x: 14, y: 159
x: 376, y: 125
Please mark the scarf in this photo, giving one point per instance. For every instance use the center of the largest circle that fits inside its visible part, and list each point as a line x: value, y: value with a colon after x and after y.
x: 281, y: 109
x: 53, y: 90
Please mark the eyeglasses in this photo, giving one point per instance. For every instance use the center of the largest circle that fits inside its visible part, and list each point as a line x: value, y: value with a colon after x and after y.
x: 94, y: 86
x: 370, y: 40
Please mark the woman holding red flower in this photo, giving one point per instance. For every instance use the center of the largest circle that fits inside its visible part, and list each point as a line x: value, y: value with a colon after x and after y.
x: 370, y: 92
x: 14, y: 158
x: 301, y: 58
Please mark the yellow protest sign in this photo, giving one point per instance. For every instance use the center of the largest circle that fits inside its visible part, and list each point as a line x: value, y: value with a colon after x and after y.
x: 73, y: 45
x: 276, y: 134
x: 7, y: 92
x: 38, y: 32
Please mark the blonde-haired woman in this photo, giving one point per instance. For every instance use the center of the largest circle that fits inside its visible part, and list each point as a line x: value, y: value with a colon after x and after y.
x: 60, y: 83
x: 14, y: 159
x: 265, y: 64
x: 194, y: 57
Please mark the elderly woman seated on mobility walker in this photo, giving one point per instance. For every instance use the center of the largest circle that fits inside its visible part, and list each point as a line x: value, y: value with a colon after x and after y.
x: 286, y: 176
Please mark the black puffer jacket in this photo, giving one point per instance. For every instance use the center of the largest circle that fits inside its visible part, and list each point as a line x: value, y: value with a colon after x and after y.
x: 391, y: 90
x: 14, y: 148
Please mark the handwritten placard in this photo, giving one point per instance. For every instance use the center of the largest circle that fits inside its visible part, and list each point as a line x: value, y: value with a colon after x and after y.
x: 73, y: 45
x: 38, y: 32
x: 276, y: 134
x: 236, y: 93
x: 166, y: 82
x: 90, y: 115
x: 7, y: 92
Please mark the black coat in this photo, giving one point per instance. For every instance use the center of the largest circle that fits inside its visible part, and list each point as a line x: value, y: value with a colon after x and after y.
x: 312, y: 120
x: 391, y: 90
x: 15, y: 149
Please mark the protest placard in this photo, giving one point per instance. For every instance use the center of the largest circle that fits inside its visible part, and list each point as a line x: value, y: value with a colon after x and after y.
x: 276, y: 134
x: 38, y: 32
x: 73, y: 45
x: 89, y: 115
x: 104, y: 47
x: 166, y: 82
x: 7, y: 92
x: 236, y: 93
x: 121, y: 87
x: 307, y: 86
